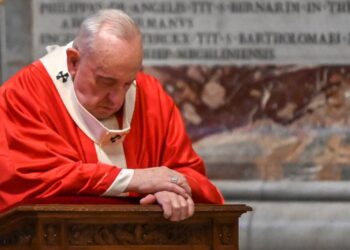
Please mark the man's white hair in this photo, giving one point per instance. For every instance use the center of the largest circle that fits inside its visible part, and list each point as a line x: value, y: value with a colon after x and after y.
x: 114, y: 21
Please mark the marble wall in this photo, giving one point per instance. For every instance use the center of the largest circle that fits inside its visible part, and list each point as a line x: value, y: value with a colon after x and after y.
x: 2, y: 41
x: 18, y: 30
x: 266, y: 122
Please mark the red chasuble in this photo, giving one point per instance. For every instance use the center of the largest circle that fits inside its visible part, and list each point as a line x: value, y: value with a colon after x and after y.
x: 45, y: 154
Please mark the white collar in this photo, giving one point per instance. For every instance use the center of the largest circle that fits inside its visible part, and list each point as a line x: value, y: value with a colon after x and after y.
x: 101, y: 132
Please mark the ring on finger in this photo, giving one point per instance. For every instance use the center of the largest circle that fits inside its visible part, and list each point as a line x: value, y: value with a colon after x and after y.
x: 174, y: 179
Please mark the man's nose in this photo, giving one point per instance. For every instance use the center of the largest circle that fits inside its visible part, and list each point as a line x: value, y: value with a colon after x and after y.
x: 116, y: 97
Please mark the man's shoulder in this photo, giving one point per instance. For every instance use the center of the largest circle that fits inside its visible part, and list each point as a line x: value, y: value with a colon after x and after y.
x: 147, y: 82
x: 33, y: 73
x: 145, y: 78
x: 152, y: 91
x: 31, y: 82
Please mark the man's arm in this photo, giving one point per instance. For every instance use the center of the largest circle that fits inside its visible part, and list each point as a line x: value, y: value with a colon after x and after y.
x: 177, y: 154
x: 180, y: 156
x: 162, y: 140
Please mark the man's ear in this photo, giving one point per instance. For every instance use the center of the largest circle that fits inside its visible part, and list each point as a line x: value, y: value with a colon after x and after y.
x: 73, y: 57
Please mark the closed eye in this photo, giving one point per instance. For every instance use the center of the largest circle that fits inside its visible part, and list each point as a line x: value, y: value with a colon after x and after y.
x: 105, y: 80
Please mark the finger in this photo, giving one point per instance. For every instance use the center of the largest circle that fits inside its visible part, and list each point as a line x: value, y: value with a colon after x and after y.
x: 184, y: 211
x: 176, y: 207
x: 177, y: 189
x: 183, y: 184
x: 187, y: 187
x: 148, y: 199
x: 164, y: 201
x: 181, y: 181
x: 190, y: 204
x: 167, y: 208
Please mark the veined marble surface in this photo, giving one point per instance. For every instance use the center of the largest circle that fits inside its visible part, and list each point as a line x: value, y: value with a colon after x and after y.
x: 266, y: 122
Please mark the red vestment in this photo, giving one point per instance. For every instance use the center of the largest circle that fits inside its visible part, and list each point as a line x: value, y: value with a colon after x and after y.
x: 47, y: 155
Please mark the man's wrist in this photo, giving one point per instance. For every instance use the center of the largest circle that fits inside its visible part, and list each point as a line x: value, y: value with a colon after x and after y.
x: 120, y: 183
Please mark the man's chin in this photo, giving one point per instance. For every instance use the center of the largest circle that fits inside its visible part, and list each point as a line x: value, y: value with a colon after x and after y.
x: 102, y: 115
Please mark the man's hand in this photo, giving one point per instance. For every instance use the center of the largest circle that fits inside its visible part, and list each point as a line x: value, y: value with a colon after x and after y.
x: 156, y: 179
x: 175, y: 207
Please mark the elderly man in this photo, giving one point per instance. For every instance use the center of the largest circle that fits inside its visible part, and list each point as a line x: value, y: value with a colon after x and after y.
x: 84, y: 121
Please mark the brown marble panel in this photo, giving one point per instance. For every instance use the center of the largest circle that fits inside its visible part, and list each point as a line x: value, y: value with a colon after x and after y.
x: 266, y: 122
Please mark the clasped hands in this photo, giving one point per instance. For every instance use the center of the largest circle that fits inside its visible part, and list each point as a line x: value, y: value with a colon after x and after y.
x: 167, y: 187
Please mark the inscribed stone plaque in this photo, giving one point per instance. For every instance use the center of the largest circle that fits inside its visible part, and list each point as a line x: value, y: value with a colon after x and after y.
x: 229, y: 32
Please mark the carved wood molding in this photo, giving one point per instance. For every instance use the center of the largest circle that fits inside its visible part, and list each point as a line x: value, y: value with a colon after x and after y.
x: 100, y: 226
x: 138, y: 234
x: 51, y: 234
x: 226, y: 234
x: 19, y: 236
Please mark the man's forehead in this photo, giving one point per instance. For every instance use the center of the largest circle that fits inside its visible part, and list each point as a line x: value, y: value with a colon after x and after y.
x: 115, y: 74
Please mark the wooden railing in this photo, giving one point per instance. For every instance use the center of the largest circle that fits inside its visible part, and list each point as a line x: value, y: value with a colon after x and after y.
x: 105, y: 227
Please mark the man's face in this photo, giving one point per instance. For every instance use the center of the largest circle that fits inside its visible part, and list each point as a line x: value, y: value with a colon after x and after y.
x: 102, y: 78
